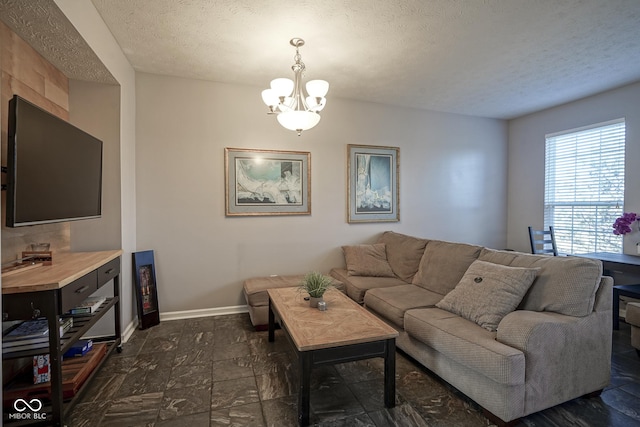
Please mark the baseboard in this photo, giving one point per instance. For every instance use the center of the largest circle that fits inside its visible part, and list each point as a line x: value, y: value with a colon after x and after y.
x: 126, y: 334
x: 205, y: 312
x: 129, y: 330
x: 187, y: 314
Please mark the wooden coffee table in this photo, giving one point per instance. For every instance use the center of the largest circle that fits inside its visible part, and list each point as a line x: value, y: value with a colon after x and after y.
x: 345, y: 332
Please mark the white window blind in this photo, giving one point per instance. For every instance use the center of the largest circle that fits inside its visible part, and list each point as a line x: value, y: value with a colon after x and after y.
x: 584, y: 187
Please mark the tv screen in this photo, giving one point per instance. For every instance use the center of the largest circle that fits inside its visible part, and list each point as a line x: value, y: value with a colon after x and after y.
x: 54, y: 170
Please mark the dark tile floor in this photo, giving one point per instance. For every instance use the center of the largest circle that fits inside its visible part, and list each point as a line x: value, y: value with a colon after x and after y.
x: 218, y: 371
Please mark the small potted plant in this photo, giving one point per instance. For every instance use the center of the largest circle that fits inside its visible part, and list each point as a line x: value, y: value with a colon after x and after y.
x: 315, y: 284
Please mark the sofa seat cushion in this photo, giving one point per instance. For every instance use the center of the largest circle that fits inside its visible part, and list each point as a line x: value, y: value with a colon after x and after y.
x: 367, y: 260
x: 403, y: 253
x: 488, y: 292
x: 443, y: 265
x: 392, y: 303
x: 357, y: 286
x: 565, y: 284
x: 466, y: 343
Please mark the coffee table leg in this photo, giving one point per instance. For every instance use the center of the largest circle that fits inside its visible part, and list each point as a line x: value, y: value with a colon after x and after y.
x: 304, y: 362
x: 390, y: 373
x: 272, y: 321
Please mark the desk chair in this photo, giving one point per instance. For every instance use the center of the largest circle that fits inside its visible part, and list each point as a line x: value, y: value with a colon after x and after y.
x: 543, y: 241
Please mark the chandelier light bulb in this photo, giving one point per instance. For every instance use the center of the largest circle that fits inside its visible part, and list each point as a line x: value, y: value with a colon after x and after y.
x: 298, y: 120
x: 270, y: 98
x: 282, y: 86
x: 317, y: 88
x: 296, y: 110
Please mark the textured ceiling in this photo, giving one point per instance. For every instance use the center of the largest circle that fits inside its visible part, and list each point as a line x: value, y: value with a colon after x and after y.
x: 489, y: 58
x: 41, y: 24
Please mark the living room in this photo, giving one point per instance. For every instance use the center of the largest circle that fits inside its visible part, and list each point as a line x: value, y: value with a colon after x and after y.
x: 463, y: 178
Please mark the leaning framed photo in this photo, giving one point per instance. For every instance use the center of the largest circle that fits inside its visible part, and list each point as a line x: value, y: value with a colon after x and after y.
x: 374, y: 187
x: 267, y: 182
x: 144, y: 269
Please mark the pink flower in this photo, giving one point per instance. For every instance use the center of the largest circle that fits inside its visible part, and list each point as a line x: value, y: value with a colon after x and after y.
x: 623, y: 223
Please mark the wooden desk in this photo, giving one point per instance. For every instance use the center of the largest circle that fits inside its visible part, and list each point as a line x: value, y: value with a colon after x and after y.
x: 50, y: 291
x: 616, y: 262
x: 613, y: 262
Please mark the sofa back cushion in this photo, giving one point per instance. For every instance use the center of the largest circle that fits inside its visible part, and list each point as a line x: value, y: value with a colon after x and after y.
x: 367, y: 260
x: 443, y: 265
x: 565, y: 284
x: 403, y: 253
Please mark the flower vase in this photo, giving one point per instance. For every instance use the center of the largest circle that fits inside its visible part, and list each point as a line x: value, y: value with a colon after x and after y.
x: 313, y: 301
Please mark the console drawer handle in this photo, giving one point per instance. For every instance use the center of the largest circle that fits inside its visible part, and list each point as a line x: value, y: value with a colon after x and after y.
x: 109, y: 271
x: 82, y: 289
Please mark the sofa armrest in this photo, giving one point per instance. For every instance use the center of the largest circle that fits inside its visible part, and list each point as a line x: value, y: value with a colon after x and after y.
x: 535, y: 330
x: 566, y: 356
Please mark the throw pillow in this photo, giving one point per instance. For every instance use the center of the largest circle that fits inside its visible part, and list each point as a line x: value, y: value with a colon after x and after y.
x: 487, y: 292
x: 367, y: 260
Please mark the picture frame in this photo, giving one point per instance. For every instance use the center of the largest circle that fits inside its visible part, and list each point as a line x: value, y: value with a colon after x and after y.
x: 374, y: 186
x: 146, y: 289
x: 267, y: 182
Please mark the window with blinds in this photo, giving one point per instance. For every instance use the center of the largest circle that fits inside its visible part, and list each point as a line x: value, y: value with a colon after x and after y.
x: 584, y: 187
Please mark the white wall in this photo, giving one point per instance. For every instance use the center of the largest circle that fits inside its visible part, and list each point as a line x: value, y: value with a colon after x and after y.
x: 526, y: 157
x: 452, y: 176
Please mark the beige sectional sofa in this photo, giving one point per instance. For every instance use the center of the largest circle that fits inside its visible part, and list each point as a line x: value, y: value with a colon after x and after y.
x: 516, y: 333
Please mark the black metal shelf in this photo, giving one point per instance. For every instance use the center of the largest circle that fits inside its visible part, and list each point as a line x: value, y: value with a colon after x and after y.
x: 81, y: 324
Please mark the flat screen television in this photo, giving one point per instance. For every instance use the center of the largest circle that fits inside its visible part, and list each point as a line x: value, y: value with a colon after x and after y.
x: 54, y: 169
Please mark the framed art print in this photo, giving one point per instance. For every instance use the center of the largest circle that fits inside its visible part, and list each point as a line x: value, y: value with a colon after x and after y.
x: 267, y: 182
x: 146, y: 289
x: 373, y: 192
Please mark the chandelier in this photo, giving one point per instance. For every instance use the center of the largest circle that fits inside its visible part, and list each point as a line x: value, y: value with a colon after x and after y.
x: 286, y: 99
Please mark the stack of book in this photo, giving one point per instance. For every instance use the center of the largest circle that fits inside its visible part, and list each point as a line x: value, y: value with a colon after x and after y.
x: 79, y: 349
x: 31, y: 334
x: 88, y: 306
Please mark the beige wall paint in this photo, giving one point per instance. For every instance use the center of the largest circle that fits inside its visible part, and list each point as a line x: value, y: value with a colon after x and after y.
x: 95, y: 108
x: 101, y: 119
x: 526, y: 157
x: 452, y: 176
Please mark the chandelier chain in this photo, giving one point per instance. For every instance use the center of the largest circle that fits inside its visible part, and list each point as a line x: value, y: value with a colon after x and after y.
x: 299, y: 64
